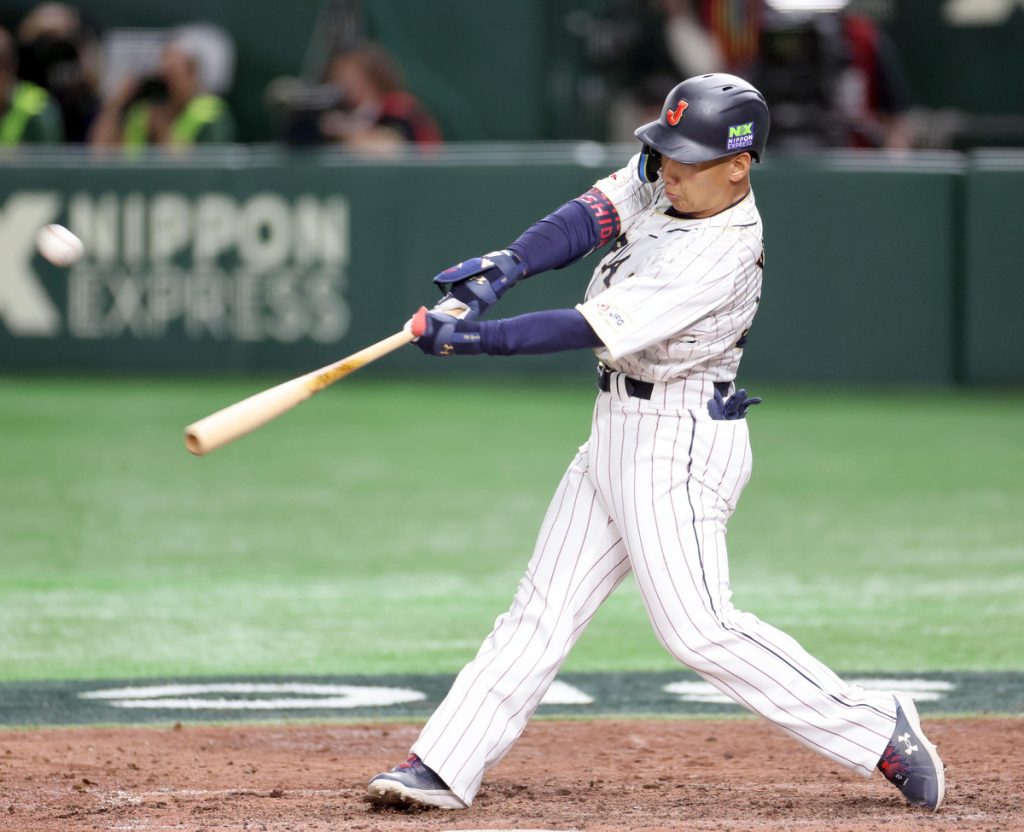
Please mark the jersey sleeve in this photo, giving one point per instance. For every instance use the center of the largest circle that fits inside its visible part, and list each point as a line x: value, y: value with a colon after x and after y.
x: 650, y: 307
x: 627, y: 193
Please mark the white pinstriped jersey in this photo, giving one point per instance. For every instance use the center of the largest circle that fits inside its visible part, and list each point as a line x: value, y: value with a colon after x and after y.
x: 651, y: 492
x: 674, y: 297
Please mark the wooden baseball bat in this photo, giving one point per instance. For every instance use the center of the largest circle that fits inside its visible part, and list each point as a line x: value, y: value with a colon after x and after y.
x: 245, y: 416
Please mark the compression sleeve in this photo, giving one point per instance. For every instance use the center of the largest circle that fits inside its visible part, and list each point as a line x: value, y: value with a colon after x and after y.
x: 535, y: 333
x: 567, y: 234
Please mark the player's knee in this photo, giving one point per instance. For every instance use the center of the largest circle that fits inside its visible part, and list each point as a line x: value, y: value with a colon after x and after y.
x: 700, y: 646
x: 688, y: 650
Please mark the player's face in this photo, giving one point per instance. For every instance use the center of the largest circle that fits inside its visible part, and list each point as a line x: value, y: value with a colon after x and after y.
x: 705, y: 188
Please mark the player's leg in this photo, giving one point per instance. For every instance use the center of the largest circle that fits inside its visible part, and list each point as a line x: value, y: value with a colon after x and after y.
x: 680, y: 479
x: 578, y: 560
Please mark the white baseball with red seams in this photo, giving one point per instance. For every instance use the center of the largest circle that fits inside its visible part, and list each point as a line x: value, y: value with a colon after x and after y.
x: 58, y: 245
x: 651, y: 492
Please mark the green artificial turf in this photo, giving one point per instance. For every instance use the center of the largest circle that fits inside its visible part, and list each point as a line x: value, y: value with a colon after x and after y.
x: 383, y: 526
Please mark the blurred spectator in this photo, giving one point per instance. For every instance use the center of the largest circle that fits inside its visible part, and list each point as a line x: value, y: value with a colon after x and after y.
x: 690, y: 46
x: 735, y: 25
x: 832, y: 78
x: 376, y: 110
x: 59, y: 52
x: 172, y: 108
x: 28, y: 114
x: 658, y: 44
x: 874, y: 99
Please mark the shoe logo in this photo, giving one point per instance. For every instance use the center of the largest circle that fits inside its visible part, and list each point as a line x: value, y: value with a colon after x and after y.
x: 673, y: 116
x: 908, y: 747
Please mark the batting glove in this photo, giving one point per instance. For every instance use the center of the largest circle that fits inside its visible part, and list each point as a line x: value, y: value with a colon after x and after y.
x: 735, y: 407
x: 441, y: 334
x: 474, y: 286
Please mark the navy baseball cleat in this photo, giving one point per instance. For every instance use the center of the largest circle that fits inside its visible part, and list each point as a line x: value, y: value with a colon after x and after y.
x: 413, y: 783
x: 910, y: 762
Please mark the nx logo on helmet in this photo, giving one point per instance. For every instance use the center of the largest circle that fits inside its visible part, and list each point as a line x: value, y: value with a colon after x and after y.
x: 673, y: 116
x: 740, y: 136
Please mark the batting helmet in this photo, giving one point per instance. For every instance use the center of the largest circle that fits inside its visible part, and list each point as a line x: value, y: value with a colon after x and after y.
x: 706, y: 117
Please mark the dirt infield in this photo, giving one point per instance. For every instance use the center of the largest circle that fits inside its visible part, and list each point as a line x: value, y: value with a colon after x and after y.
x: 599, y: 775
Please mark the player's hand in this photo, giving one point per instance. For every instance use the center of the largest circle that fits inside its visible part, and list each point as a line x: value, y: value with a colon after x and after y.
x: 735, y: 407
x: 476, y: 285
x: 441, y: 334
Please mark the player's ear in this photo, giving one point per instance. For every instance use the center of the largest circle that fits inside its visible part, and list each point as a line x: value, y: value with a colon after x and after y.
x: 739, y: 167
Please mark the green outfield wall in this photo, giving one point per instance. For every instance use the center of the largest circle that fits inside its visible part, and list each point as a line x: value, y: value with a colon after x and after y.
x: 251, y: 261
x: 994, y: 261
x: 860, y: 272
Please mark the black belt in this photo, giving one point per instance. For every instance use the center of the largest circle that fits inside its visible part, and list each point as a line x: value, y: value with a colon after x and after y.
x: 634, y: 387
x: 641, y: 389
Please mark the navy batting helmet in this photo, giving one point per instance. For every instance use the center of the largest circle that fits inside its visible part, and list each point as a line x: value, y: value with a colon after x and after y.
x: 706, y: 117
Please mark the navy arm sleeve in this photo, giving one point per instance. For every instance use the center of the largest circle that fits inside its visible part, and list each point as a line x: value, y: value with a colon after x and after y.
x: 569, y: 233
x: 535, y: 333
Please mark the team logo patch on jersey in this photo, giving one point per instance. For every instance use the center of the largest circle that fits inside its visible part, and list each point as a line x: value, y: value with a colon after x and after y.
x: 673, y: 116
x: 740, y: 136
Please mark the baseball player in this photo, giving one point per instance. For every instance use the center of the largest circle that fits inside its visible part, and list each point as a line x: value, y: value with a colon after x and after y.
x: 667, y: 313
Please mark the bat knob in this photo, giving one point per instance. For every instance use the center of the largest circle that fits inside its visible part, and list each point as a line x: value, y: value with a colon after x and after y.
x: 419, y: 322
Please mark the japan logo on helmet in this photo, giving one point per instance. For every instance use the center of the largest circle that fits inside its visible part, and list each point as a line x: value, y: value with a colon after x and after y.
x: 673, y: 116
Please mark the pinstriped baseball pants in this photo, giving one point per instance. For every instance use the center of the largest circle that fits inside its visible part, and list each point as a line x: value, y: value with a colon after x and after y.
x: 651, y: 493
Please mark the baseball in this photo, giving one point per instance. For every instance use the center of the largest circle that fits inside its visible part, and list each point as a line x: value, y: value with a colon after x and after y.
x: 58, y: 245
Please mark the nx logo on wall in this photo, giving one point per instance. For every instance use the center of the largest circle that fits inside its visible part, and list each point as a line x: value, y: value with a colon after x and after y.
x: 210, y: 266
